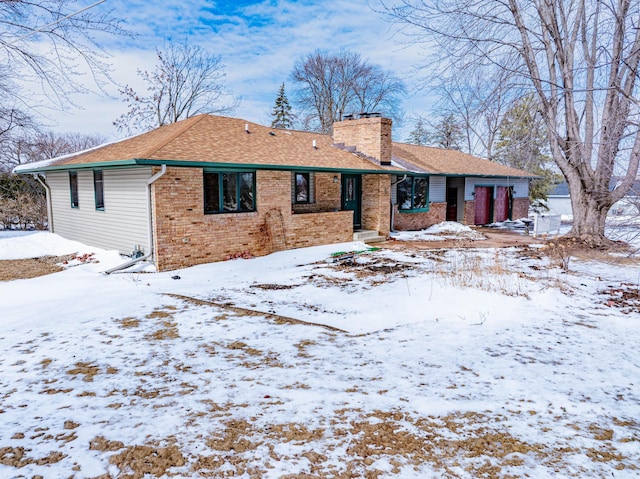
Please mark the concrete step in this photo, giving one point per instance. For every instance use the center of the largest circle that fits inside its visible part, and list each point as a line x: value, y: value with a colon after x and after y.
x: 368, y: 236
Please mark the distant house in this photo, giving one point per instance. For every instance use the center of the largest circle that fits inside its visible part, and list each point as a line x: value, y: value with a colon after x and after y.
x: 559, y: 200
x: 209, y: 187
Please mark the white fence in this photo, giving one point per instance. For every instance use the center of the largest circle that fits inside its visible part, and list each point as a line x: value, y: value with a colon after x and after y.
x: 545, y: 223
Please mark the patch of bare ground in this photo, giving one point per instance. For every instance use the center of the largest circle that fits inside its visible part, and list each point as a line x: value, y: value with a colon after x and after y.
x: 494, y: 239
x: 460, y: 444
x: 30, y: 268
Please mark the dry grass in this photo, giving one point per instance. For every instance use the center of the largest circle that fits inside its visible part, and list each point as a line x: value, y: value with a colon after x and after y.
x: 30, y: 268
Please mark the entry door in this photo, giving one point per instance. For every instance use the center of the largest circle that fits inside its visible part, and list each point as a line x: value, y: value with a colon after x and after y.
x: 352, y: 197
x: 483, y: 198
x: 503, y: 203
x: 452, y: 204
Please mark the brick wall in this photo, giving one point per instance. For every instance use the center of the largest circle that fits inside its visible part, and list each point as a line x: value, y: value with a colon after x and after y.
x: 185, y: 236
x: 371, y: 136
x: 376, y: 201
x: 469, y: 213
x: 416, y: 221
x: 520, y: 208
x: 326, y: 192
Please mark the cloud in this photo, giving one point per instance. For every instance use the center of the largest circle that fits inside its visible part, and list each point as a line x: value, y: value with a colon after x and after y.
x: 258, y: 41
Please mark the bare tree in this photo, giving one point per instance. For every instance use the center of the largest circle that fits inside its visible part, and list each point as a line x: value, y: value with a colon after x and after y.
x: 186, y: 81
x: 579, y: 57
x: 478, y: 99
x: 48, y: 43
x: 33, y: 145
x: 331, y: 86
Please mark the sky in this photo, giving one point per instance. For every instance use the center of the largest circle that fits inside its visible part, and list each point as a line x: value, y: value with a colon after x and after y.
x: 259, y: 42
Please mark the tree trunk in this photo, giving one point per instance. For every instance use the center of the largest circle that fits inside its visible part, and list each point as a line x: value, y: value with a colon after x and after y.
x: 589, y: 213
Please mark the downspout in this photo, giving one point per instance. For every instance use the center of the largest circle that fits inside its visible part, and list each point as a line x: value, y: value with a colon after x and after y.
x: 48, y: 195
x: 151, y: 181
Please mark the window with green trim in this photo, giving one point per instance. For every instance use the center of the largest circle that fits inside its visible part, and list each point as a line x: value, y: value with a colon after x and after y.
x: 413, y: 194
x: 98, y: 189
x: 229, y: 192
x: 73, y: 187
x: 303, y: 184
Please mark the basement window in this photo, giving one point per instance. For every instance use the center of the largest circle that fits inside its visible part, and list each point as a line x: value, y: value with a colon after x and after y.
x: 229, y: 192
x: 98, y: 189
x: 413, y: 194
x: 73, y: 188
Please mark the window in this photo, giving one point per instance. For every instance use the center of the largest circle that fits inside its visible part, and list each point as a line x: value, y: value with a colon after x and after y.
x: 302, y: 188
x: 98, y: 189
x: 73, y: 187
x: 229, y: 192
x: 413, y: 194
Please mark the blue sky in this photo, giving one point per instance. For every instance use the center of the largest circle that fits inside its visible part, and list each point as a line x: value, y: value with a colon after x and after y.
x: 259, y: 41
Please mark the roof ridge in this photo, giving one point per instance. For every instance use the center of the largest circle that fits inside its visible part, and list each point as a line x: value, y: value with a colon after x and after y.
x: 188, y: 123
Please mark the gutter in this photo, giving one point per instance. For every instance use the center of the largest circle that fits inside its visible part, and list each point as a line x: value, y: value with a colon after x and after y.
x: 48, y: 195
x: 151, y: 181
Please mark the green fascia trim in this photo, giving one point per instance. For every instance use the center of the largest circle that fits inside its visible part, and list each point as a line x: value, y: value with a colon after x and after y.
x: 206, y: 165
x: 470, y: 175
x: 417, y: 210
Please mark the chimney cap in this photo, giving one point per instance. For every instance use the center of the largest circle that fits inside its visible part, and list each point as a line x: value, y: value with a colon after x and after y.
x: 367, y: 114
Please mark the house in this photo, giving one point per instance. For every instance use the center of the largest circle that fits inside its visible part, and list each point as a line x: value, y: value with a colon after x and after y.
x: 559, y: 200
x: 209, y: 187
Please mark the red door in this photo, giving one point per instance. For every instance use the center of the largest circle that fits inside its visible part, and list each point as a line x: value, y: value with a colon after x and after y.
x: 483, y: 205
x: 503, y: 200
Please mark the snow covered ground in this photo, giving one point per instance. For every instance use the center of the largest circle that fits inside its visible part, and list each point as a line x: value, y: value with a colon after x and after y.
x: 394, y: 363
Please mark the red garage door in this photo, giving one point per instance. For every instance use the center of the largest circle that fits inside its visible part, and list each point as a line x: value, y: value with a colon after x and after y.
x: 503, y: 201
x: 483, y: 205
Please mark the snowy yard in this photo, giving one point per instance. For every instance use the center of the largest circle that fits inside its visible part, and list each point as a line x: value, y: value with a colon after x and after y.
x: 404, y: 362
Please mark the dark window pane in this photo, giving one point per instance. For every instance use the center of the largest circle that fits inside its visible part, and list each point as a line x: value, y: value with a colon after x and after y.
x: 246, y: 191
x: 420, y: 193
x: 302, y: 187
x: 229, y: 189
x: 351, y: 189
x: 211, y: 193
x: 98, y: 187
x: 73, y: 186
x: 404, y: 193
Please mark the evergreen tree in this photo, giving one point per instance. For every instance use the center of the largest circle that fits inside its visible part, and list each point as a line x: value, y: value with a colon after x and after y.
x: 419, y: 135
x: 446, y: 133
x: 522, y: 143
x: 282, y: 116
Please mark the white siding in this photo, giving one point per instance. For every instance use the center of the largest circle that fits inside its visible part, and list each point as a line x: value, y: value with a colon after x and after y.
x: 122, y: 225
x: 437, y: 189
x: 520, y: 186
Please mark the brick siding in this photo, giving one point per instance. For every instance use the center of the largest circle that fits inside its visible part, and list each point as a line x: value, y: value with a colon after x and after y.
x: 520, y: 208
x: 371, y: 136
x: 417, y: 221
x: 185, y: 236
x: 376, y: 201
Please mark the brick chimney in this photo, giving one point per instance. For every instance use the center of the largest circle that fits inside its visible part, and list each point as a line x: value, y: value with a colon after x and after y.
x: 370, y: 134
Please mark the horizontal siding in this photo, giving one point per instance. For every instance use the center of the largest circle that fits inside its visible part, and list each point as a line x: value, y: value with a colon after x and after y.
x: 437, y: 189
x: 123, y: 223
x: 520, y: 186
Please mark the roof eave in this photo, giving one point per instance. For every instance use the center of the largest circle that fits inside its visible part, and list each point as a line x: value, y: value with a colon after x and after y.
x: 203, y: 164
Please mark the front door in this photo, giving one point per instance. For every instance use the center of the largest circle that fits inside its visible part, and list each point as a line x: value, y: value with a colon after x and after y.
x: 484, y: 198
x: 452, y: 204
x: 352, y: 197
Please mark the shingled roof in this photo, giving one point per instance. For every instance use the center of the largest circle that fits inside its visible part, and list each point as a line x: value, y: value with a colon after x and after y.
x: 209, y: 140
x: 216, y: 140
x: 426, y: 159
